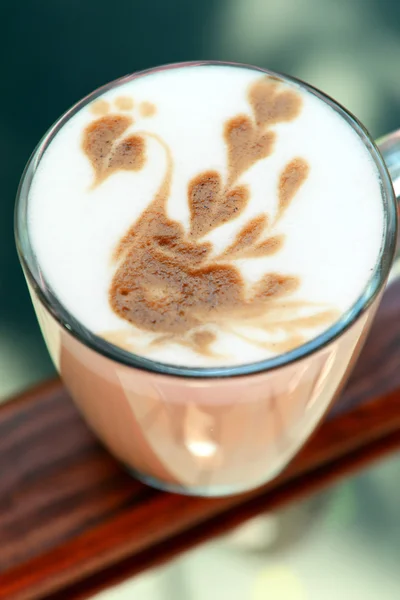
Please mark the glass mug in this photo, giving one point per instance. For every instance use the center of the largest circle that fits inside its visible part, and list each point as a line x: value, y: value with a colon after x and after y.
x: 207, y: 431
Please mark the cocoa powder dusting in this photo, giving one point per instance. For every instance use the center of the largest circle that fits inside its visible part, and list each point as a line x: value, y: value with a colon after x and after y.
x: 167, y: 280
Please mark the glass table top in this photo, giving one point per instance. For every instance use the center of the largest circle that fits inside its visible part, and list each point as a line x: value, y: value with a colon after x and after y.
x: 343, y: 542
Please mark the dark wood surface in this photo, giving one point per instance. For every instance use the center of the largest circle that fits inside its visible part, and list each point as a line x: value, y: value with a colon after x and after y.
x: 72, y: 521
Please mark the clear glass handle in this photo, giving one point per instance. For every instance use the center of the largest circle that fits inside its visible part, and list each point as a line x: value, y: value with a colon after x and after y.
x: 389, y: 145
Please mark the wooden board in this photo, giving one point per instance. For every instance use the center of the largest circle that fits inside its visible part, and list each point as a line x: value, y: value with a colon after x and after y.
x: 72, y: 521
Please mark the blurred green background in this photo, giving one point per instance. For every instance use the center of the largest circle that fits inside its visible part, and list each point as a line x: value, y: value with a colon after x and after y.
x: 54, y: 52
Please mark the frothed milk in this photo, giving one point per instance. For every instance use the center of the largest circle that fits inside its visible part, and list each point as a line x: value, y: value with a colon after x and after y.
x: 206, y: 215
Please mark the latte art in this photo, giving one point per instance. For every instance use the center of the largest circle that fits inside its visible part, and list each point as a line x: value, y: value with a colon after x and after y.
x: 195, y: 263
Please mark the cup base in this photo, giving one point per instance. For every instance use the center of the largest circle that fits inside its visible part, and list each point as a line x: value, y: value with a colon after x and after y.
x: 208, y: 491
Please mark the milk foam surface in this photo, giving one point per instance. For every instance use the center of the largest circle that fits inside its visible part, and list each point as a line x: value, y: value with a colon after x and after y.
x: 332, y: 229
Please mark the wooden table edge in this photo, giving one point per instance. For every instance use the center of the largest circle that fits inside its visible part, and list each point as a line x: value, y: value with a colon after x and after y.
x: 341, y: 445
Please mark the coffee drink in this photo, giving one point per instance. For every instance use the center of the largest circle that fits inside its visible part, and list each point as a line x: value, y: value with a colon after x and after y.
x: 206, y: 215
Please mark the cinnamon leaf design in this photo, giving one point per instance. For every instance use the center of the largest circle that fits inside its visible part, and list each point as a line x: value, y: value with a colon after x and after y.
x: 245, y: 145
x: 129, y: 155
x: 283, y: 317
x: 286, y: 107
x: 290, y: 181
x: 263, y: 145
x: 261, y: 98
x: 273, y: 285
x: 267, y: 247
x: 184, y: 252
x: 271, y: 106
x: 98, y: 140
x: 230, y: 205
x: 247, y: 236
x: 204, y: 193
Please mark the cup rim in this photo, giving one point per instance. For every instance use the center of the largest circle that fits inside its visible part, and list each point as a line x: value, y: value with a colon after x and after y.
x: 370, y: 291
